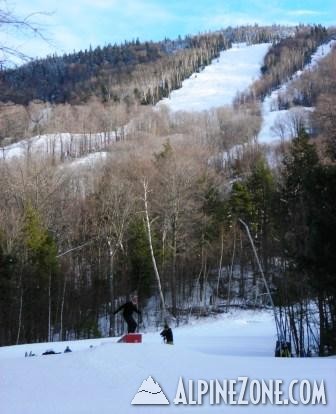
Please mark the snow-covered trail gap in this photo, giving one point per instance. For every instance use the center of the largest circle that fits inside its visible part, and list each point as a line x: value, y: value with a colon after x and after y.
x: 218, y: 84
x: 270, y: 116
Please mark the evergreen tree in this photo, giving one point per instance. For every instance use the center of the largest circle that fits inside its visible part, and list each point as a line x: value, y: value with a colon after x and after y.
x: 8, y: 296
x: 308, y: 203
x: 40, y: 268
x: 141, y: 269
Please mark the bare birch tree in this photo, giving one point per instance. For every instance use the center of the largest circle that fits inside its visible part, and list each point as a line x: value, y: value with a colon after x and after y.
x: 149, y: 233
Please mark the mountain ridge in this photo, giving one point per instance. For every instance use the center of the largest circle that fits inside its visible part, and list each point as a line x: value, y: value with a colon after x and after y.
x: 78, y: 76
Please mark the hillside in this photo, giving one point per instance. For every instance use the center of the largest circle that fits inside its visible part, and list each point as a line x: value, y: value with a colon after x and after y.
x: 73, y: 239
x: 141, y: 72
x: 176, y: 187
x: 275, y: 116
x: 219, y: 83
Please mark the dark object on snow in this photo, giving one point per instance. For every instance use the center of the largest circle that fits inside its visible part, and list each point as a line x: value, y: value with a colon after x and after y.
x: 30, y: 354
x: 50, y: 352
x: 167, y: 335
x: 128, y: 309
x: 67, y: 349
x: 283, y: 349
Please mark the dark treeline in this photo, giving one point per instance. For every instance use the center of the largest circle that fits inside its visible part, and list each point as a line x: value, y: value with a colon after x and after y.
x: 99, y: 72
x: 134, y: 71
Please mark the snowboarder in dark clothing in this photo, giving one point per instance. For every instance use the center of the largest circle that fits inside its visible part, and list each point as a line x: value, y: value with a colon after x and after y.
x: 67, y: 349
x: 128, y: 309
x: 167, y: 335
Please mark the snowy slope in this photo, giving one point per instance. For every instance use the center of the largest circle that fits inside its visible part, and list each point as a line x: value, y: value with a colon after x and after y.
x: 106, y: 378
x: 271, y: 117
x: 62, y: 144
x: 215, y: 86
x: 218, y: 83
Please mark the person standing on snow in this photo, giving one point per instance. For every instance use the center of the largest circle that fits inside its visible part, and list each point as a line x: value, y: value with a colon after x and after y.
x: 167, y: 335
x: 128, y: 309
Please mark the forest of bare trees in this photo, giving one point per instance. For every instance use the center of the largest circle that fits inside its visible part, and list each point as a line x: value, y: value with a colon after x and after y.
x: 74, y: 237
x: 74, y: 241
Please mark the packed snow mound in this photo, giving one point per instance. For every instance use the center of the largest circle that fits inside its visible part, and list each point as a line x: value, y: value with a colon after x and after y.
x: 150, y: 393
x: 219, y: 83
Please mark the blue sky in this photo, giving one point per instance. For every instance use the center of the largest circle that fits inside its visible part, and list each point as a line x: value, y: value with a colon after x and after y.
x: 75, y: 24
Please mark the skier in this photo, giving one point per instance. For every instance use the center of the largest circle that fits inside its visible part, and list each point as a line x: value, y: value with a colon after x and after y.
x: 128, y: 309
x: 167, y: 335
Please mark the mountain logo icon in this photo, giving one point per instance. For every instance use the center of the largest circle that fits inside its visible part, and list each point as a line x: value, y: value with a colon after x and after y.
x: 150, y: 393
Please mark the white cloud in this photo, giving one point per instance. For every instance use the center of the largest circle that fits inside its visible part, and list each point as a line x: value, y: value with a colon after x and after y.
x: 303, y: 12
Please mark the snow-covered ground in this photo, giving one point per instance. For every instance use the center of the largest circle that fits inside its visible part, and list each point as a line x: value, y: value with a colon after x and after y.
x: 64, y: 145
x: 273, y: 118
x: 101, y: 376
x: 219, y: 83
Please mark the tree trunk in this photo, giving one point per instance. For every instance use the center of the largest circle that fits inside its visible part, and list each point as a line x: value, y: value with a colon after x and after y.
x: 20, y: 313
x: 111, y: 288
x: 164, y: 311
x: 322, y: 327
x: 219, y: 267
x: 62, y: 309
x: 173, y: 273
x: 231, y: 271
x: 49, y: 308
